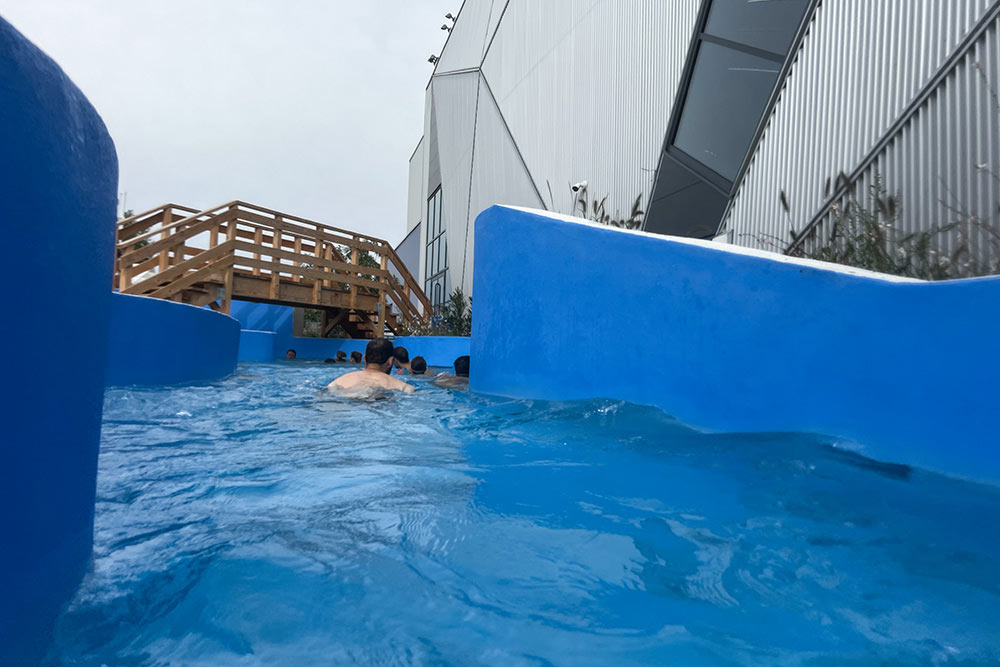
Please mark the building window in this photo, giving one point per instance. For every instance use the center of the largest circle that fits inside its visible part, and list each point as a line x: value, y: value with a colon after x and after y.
x: 739, y: 53
x: 728, y: 93
x: 436, y: 257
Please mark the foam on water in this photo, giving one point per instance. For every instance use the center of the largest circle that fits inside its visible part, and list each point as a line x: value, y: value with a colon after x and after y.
x: 260, y: 521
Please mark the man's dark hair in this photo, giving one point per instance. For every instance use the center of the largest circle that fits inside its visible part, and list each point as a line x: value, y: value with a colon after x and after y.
x: 378, y: 351
x: 356, y: 357
x: 402, y: 356
x: 462, y: 366
x: 328, y: 360
x: 418, y: 365
x: 341, y: 355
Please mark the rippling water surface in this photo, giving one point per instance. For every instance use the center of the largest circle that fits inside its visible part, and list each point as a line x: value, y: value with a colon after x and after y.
x: 258, y: 521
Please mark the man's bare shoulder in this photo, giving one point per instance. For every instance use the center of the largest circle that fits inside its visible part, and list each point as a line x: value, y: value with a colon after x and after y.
x: 398, y: 385
x: 348, y: 380
x: 366, y: 379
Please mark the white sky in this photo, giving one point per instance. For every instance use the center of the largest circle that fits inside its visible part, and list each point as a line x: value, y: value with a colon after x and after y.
x: 312, y: 107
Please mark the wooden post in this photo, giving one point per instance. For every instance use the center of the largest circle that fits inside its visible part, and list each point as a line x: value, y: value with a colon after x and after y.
x: 328, y: 256
x: 298, y: 252
x: 258, y: 237
x: 382, y: 315
x: 355, y: 260
x: 227, y: 281
x: 165, y: 253
x: 124, y: 277
x: 227, y: 298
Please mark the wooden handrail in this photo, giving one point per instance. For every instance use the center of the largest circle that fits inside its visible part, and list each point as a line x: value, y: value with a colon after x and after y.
x: 256, y: 242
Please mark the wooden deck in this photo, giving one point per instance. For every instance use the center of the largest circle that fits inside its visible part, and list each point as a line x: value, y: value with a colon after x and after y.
x: 249, y: 253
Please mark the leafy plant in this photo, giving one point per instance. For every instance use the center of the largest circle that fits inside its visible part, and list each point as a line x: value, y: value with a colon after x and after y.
x: 453, y: 319
x: 867, y: 235
x: 595, y: 210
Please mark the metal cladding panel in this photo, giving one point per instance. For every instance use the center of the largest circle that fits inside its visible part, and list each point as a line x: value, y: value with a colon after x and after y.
x: 415, y: 188
x: 454, y: 104
x: 498, y: 177
x: 858, y: 68
x: 587, y: 87
x: 467, y: 41
x: 429, y: 146
x: 944, y: 163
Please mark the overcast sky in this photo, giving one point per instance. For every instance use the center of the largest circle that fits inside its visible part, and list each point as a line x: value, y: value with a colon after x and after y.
x: 312, y: 107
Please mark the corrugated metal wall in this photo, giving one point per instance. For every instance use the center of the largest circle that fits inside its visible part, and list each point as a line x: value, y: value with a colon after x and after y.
x: 587, y: 87
x: 858, y: 69
x: 944, y: 163
x: 584, y: 91
x: 415, y: 184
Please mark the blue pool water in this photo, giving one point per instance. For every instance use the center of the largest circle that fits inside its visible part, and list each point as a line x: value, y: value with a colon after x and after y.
x: 256, y: 521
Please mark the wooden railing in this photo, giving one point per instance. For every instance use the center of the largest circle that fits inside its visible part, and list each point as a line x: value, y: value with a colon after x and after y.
x: 169, y: 250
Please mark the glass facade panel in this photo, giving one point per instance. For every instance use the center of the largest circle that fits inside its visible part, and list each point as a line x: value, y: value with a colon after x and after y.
x: 764, y: 24
x: 728, y: 93
x: 436, y: 265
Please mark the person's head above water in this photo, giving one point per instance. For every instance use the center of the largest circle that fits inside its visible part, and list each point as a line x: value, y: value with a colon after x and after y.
x: 462, y: 366
x: 402, y: 355
x: 328, y: 360
x: 379, y: 353
x: 341, y: 356
x: 418, y: 365
x: 356, y: 357
x: 290, y: 354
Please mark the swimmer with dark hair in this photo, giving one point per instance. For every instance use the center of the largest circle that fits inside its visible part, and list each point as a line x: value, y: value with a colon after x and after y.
x: 355, y: 357
x: 418, y: 366
x: 402, y: 360
x: 460, y: 380
x: 290, y: 355
x: 376, y: 373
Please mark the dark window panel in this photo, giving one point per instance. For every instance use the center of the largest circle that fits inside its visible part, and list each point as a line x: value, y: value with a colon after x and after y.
x: 728, y: 93
x: 764, y: 24
x: 694, y: 211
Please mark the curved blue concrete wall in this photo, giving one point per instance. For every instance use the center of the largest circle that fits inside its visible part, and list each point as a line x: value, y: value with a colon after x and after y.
x: 154, y: 342
x: 729, y: 340
x: 257, y: 317
x: 257, y: 346
x: 59, y: 177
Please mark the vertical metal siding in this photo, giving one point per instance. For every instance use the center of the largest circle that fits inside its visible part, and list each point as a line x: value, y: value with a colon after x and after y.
x: 943, y: 163
x: 858, y: 68
x: 587, y: 87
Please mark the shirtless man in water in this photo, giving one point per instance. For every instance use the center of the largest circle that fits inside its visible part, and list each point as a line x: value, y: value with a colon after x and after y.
x: 378, y: 366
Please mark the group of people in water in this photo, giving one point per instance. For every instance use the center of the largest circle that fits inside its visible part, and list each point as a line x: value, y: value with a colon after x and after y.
x: 382, y: 361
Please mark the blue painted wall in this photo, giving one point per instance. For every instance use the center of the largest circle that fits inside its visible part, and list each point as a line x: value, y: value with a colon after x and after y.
x: 729, y: 341
x: 438, y: 350
x: 257, y: 345
x: 59, y: 177
x: 153, y: 341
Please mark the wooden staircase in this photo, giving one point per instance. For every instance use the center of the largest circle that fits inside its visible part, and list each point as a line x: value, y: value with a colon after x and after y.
x: 250, y: 253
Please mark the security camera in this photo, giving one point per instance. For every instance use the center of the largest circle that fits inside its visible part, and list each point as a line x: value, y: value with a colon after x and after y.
x: 449, y: 16
x: 433, y: 60
x: 582, y: 185
x: 446, y: 27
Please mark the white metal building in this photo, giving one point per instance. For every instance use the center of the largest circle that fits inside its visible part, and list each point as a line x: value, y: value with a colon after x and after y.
x: 530, y: 96
x: 719, y: 113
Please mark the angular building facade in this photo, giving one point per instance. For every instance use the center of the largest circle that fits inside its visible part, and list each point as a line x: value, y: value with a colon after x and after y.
x: 741, y: 120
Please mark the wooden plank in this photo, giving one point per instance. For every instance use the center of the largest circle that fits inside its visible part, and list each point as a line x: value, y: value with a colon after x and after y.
x: 141, y: 254
x: 285, y: 254
x: 179, y: 270
x: 227, y: 286
x: 258, y: 236
x: 298, y: 251
x: 302, y: 272
x: 203, y: 274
